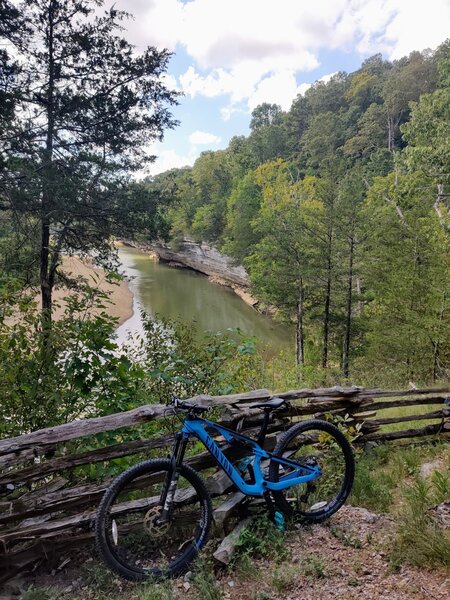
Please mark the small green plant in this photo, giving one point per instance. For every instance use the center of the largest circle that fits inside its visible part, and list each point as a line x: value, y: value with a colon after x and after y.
x: 372, y: 488
x: 420, y: 540
x: 313, y: 567
x: 346, y: 538
x: 244, y: 566
x: 347, y: 425
x: 155, y: 591
x: 260, y: 538
x: 41, y: 593
x: 283, y: 579
x: 99, y: 578
x: 357, y: 567
x: 263, y: 596
x: 353, y: 582
x: 441, y: 485
x: 205, y: 581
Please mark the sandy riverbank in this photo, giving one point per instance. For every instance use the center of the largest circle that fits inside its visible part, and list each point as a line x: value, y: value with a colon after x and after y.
x: 120, y: 295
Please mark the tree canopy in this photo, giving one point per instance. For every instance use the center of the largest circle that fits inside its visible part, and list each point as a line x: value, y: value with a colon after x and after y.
x: 338, y: 208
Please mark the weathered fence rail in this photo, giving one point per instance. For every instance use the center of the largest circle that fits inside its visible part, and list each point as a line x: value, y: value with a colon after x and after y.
x: 46, y: 509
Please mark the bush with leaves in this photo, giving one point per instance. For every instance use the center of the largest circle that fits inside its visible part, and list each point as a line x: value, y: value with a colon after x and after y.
x: 81, y: 372
x: 75, y: 372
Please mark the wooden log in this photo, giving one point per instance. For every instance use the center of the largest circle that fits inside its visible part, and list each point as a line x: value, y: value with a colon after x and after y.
x: 368, y: 414
x: 8, y: 507
x: 437, y: 414
x: 48, y: 501
x: 142, y: 414
x: 15, y: 562
x: 225, y: 510
x: 419, y: 401
x: 254, y: 395
x: 406, y: 433
x: 335, y: 391
x: 225, y: 551
x: 21, y: 457
x: 85, y: 427
x: 51, y: 502
x: 61, y: 463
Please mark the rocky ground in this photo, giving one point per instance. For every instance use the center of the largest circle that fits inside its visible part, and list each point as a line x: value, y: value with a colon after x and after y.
x: 345, y: 559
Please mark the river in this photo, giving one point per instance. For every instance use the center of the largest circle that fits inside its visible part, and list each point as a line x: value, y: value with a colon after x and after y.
x: 185, y: 294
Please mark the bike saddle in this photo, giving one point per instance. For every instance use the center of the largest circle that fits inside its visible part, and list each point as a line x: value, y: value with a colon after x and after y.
x: 271, y: 404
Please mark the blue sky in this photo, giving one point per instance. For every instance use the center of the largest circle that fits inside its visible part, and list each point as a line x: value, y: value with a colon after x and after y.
x: 231, y: 55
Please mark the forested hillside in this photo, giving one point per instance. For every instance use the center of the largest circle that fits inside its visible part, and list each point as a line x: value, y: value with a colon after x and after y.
x: 339, y: 210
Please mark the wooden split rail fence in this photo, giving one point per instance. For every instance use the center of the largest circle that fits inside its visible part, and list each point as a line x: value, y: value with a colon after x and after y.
x: 47, y: 510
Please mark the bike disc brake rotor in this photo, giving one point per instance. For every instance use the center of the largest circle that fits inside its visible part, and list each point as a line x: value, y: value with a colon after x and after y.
x: 151, y: 524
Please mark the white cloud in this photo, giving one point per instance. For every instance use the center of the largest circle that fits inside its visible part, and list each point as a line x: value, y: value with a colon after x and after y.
x: 251, y: 51
x: 278, y: 88
x: 418, y: 25
x: 226, y: 112
x: 223, y: 33
x: 170, y: 82
x: 201, y: 138
x: 167, y: 159
x: 216, y: 83
x: 394, y: 27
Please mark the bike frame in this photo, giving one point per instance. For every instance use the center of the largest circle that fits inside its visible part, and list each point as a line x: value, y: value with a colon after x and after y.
x: 197, y: 427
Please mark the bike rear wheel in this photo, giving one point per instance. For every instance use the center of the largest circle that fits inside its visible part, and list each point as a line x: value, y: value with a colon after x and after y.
x: 314, y: 443
x: 128, y: 535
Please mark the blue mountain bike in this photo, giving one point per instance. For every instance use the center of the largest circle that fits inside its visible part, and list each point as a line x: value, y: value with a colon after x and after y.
x: 156, y: 516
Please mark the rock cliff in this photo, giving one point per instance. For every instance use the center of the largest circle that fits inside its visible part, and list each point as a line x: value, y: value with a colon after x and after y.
x: 204, y: 258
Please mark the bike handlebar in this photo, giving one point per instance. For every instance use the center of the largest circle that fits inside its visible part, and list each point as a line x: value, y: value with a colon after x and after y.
x: 186, y: 406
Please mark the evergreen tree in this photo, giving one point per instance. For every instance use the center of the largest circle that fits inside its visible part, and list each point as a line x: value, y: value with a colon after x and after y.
x: 87, y: 106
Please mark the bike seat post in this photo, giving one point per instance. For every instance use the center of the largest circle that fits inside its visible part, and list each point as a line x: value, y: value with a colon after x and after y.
x: 262, y: 433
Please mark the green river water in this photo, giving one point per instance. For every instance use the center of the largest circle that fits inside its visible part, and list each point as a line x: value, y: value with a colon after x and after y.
x: 182, y: 293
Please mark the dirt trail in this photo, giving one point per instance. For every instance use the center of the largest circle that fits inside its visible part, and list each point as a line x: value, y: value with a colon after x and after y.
x: 343, y: 559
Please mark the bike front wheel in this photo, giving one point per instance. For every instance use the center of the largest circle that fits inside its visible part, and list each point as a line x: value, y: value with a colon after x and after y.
x: 314, y: 443
x: 129, y: 536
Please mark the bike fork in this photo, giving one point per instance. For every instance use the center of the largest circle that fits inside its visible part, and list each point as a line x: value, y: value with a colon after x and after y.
x: 170, y: 487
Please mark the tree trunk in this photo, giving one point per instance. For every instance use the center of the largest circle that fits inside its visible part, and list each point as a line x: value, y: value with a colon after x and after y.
x: 348, y: 316
x: 326, y: 316
x: 390, y: 123
x: 46, y: 280
x: 436, y: 341
x: 299, y: 339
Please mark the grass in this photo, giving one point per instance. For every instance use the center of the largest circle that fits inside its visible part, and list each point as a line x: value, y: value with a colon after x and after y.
x: 346, y: 538
x: 313, y: 567
x: 420, y: 539
x: 155, y: 591
x: 381, y: 473
x: 284, y: 578
x: 33, y: 593
x: 389, y: 480
x: 261, y: 538
x: 205, y: 581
